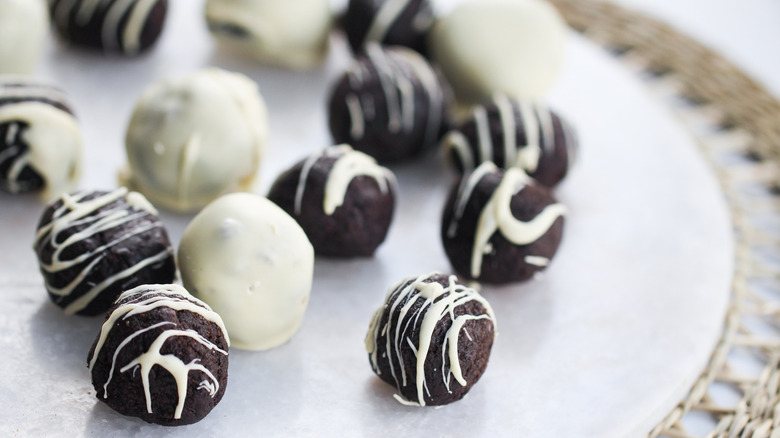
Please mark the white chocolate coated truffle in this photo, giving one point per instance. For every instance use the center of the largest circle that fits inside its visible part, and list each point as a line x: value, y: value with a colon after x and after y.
x: 289, y: 33
x: 195, y: 138
x: 24, y: 25
x: 253, y: 264
x: 510, y: 47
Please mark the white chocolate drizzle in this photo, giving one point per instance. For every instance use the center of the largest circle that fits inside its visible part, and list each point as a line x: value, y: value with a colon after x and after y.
x: 126, y: 39
x: 528, y: 133
x: 387, y: 16
x: 349, y: 165
x: 384, y: 19
x: 397, y: 70
x: 79, y: 219
x: 438, y: 303
x: 146, y: 298
x: 497, y: 216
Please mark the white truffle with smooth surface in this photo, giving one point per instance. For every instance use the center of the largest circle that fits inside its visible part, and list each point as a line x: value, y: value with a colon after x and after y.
x: 490, y: 47
x: 253, y: 264
x: 24, y: 25
x: 194, y: 138
x: 289, y: 33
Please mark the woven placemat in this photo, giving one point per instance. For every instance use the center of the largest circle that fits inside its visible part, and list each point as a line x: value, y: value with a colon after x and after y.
x: 737, y: 124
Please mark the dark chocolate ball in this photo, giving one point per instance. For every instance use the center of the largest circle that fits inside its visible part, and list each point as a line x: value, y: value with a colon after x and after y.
x: 388, y: 22
x: 500, y: 226
x: 127, y: 27
x: 425, y: 323
x: 161, y: 355
x: 92, y: 246
x: 390, y: 104
x: 29, y: 109
x: 513, y: 133
x: 341, y: 198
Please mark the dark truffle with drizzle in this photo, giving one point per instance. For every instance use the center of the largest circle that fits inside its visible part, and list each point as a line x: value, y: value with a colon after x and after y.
x: 341, y: 198
x: 127, y: 27
x: 390, y: 104
x: 431, y: 339
x: 40, y: 140
x: 92, y: 246
x: 388, y: 22
x: 501, y: 226
x: 514, y: 133
x: 161, y: 355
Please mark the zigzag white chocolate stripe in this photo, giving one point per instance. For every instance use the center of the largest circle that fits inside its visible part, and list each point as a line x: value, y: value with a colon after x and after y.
x: 126, y: 39
x: 80, y: 219
x: 349, y: 164
x: 438, y: 302
x: 496, y: 215
x: 146, y: 298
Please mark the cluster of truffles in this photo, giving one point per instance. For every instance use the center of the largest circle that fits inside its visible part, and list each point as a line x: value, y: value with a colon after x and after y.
x: 246, y: 262
x: 162, y: 353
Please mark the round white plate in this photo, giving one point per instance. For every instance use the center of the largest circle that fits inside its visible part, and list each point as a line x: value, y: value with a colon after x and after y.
x: 604, y: 345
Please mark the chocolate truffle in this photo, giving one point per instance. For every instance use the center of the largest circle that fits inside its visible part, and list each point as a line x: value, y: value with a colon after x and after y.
x: 92, y: 246
x: 431, y: 339
x: 40, y: 140
x: 289, y: 33
x: 491, y: 47
x: 127, y: 27
x: 253, y: 264
x: 194, y: 138
x: 341, y: 198
x: 24, y: 25
x: 514, y: 133
x: 390, y: 104
x: 500, y: 226
x: 388, y: 22
x: 161, y: 356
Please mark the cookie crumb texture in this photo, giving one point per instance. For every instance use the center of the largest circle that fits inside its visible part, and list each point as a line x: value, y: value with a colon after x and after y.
x: 113, y: 26
x: 431, y: 339
x: 341, y: 198
x: 94, y: 245
x: 501, y: 226
x: 162, y: 356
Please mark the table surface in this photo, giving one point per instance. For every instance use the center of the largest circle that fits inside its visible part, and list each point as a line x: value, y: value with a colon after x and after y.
x: 594, y: 340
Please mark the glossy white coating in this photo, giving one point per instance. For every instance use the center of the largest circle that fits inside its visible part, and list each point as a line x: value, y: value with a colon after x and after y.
x: 193, y: 138
x: 253, y: 264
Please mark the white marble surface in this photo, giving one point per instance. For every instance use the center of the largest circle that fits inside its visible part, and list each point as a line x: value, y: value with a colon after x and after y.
x: 603, y: 346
